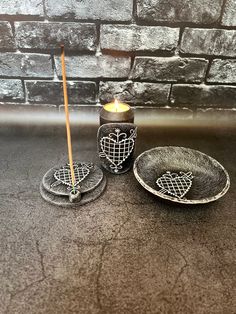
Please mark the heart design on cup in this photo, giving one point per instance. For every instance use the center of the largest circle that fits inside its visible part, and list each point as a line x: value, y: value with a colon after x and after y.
x: 175, y: 184
x: 117, y: 147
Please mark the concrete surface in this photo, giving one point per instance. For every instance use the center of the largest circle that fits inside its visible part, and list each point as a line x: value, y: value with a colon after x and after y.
x: 127, y: 252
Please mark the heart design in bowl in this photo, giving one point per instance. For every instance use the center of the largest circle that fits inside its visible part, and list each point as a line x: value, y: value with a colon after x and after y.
x: 175, y: 184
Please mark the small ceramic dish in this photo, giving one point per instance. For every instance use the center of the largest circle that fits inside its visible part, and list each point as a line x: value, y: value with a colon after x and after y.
x: 181, y: 175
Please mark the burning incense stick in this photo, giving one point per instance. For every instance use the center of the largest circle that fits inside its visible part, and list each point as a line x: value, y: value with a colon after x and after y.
x: 67, y: 117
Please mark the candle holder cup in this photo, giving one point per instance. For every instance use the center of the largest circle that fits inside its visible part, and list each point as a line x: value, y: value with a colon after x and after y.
x: 116, y: 144
x: 108, y: 114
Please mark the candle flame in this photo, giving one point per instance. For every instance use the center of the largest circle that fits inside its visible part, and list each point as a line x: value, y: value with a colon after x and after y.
x: 116, y: 105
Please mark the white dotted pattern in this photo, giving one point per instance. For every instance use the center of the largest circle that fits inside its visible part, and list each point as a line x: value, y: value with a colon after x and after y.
x: 174, y: 184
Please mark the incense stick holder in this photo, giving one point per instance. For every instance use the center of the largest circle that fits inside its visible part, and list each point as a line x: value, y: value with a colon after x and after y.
x: 56, y: 186
x: 116, y: 144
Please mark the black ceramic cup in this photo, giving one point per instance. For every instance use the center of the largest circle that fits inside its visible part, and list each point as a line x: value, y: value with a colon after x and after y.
x: 116, y: 144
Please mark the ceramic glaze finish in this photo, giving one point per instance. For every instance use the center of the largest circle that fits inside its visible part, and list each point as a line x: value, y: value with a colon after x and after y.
x: 211, y: 181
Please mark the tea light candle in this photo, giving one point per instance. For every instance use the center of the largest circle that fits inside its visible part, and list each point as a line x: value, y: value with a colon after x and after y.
x: 116, y: 112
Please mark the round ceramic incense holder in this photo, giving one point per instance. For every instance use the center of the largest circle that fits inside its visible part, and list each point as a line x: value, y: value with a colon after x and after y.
x: 56, y: 186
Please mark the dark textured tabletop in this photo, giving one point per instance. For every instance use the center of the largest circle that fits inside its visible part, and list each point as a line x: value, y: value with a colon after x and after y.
x: 127, y: 252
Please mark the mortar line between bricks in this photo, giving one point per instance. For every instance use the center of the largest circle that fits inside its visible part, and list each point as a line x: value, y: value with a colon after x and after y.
x: 138, y: 21
x: 205, y: 56
x: 13, y: 30
x: 126, y: 54
x: 134, y: 12
x: 215, y: 25
x: 208, y: 70
x: 132, y: 59
x: 32, y: 18
x: 181, y: 31
x: 170, y: 95
x: 111, y: 53
x: 21, y: 18
x: 215, y: 84
x: 220, y: 84
x: 222, y: 12
x: 25, y: 92
x: 98, y: 43
x: 98, y: 80
x: 27, y: 18
x: 38, y: 78
x: 164, y: 82
x: 69, y: 52
x: 44, y: 9
x: 84, y: 21
x: 20, y: 52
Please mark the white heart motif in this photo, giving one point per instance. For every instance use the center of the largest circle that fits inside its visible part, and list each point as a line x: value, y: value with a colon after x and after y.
x: 63, y: 175
x: 116, y: 148
x: 175, y: 184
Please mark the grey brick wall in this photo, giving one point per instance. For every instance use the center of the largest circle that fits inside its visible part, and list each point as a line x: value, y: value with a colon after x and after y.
x: 173, y: 53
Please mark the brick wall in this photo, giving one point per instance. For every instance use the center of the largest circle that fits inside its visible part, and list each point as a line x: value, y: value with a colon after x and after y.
x: 156, y: 53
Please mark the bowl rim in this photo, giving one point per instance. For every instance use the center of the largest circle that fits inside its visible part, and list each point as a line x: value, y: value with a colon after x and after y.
x: 175, y: 199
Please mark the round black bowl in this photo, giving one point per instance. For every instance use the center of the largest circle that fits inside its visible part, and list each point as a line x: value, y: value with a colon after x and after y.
x: 211, y: 181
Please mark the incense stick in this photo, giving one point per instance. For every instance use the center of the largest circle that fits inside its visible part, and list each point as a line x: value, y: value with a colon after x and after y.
x: 67, y: 116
